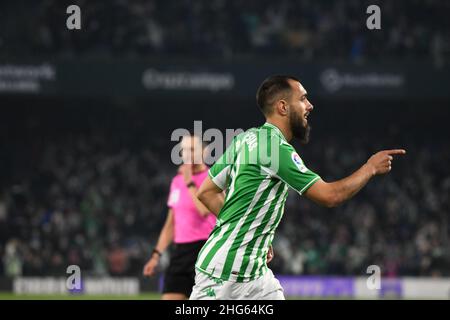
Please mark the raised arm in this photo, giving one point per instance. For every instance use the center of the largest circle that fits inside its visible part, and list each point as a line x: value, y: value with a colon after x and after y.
x: 334, y: 193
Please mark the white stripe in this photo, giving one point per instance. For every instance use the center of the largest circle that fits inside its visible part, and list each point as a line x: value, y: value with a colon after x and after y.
x: 221, y: 178
x: 312, y: 181
x: 266, y: 229
x: 219, y: 258
x: 254, y: 225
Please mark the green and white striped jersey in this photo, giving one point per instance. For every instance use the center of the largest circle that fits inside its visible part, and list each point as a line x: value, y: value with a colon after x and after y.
x: 256, y: 171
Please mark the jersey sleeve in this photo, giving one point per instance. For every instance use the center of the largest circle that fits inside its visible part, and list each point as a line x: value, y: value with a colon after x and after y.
x: 292, y: 170
x: 174, y: 195
x: 220, y: 171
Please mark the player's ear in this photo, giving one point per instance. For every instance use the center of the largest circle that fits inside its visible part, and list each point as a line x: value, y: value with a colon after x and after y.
x: 281, y: 107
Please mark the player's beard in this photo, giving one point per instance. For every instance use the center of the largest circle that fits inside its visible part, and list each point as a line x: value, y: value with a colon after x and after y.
x: 298, y: 128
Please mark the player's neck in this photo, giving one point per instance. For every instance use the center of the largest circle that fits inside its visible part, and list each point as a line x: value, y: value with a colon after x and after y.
x: 198, y: 168
x: 284, y: 128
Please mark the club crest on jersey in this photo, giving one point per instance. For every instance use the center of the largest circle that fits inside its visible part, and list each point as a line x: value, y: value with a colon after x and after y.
x: 298, y: 162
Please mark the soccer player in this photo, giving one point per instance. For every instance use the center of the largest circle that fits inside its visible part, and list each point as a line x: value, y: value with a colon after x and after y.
x: 188, y: 224
x: 256, y: 171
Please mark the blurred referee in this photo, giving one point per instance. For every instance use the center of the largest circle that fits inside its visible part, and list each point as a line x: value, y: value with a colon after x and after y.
x: 188, y: 224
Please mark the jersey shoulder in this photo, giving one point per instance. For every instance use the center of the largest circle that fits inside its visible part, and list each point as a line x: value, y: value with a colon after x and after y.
x: 177, y: 178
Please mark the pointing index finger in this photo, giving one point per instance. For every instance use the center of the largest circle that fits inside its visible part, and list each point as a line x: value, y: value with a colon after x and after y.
x: 396, y: 151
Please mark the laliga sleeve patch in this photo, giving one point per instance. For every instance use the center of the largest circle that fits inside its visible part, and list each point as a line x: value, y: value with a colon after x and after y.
x: 298, y: 162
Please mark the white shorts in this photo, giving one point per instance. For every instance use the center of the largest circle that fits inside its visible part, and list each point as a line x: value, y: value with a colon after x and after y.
x: 266, y: 287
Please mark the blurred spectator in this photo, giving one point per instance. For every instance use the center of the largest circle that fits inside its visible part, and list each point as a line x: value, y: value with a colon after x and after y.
x: 12, y: 260
x: 332, y: 30
x: 118, y: 261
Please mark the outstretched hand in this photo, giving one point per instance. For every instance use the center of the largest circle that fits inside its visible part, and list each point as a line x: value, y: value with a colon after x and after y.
x: 381, y: 162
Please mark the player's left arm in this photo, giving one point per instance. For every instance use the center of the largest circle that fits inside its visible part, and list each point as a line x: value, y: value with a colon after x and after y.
x: 211, y: 196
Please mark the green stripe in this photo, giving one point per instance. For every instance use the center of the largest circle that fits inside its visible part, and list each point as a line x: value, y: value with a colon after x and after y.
x: 265, y: 147
x: 218, y: 244
x: 233, y: 176
x: 275, y: 128
x: 279, y: 214
x: 212, y: 236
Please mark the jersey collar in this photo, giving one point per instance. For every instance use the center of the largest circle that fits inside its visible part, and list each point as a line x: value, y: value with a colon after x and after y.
x: 277, y: 130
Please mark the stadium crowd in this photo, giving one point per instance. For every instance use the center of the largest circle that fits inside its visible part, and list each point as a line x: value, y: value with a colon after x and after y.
x: 219, y: 29
x: 97, y: 199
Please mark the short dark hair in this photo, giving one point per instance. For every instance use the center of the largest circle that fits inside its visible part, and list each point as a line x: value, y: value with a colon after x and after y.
x: 270, y: 88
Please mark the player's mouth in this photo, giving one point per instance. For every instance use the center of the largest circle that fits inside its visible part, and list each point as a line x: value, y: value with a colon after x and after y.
x: 306, y: 116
